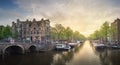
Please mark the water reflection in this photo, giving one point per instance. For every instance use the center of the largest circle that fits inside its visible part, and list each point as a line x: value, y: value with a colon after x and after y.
x: 109, y: 57
x: 64, y: 57
x: 85, y: 54
x: 28, y: 59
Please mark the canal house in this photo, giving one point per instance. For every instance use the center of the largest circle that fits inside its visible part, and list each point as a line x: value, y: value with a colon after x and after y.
x: 32, y: 30
x: 116, y: 31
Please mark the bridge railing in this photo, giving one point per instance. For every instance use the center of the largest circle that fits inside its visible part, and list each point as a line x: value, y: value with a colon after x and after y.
x: 7, y: 43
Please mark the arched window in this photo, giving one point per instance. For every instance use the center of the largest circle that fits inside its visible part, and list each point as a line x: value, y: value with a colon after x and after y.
x: 34, y: 32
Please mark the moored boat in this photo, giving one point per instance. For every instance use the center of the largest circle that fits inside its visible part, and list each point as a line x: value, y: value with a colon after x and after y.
x: 72, y: 45
x: 115, y: 46
x: 99, y: 46
x: 62, y: 47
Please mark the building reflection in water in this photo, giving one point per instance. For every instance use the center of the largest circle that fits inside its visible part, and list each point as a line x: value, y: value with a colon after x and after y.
x: 109, y: 57
x: 28, y: 59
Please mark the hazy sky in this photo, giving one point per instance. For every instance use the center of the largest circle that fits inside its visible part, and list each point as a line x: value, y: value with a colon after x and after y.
x: 84, y: 16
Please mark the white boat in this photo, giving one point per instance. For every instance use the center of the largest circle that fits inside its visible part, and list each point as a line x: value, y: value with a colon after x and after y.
x: 62, y: 47
x: 73, y: 44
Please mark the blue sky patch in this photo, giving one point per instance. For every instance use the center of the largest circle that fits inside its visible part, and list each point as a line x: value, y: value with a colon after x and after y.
x: 7, y: 4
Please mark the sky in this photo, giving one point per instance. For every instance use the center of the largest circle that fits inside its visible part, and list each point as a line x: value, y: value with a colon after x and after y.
x: 84, y: 16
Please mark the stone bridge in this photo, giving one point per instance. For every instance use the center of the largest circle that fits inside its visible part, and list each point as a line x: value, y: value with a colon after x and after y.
x: 20, y: 48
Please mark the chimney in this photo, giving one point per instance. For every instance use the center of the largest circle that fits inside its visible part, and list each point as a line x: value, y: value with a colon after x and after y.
x: 34, y: 20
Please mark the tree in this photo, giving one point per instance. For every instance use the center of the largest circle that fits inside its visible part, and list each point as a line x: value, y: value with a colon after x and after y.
x: 95, y: 35
x: 58, y: 29
x: 59, y: 32
x: 102, y: 34
x: 53, y: 33
x: 68, y: 33
x: 105, y: 31
x: 1, y: 31
x: 113, y: 33
x: 7, y: 32
x: 78, y: 36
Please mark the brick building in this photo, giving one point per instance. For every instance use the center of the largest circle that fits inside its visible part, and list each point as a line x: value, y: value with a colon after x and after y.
x: 116, y: 30
x: 32, y: 30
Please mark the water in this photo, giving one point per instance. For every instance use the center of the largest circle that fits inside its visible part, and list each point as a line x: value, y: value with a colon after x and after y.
x: 86, y: 54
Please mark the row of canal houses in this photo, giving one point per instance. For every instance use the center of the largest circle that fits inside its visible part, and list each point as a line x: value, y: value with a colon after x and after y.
x: 113, y: 41
x: 116, y: 31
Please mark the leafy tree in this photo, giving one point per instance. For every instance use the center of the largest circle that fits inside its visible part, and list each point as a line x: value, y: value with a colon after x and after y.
x: 7, y: 32
x: 68, y: 33
x: 113, y: 33
x: 76, y: 35
x: 96, y: 35
x: 58, y: 29
x: 81, y: 37
x: 1, y: 31
x: 105, y: 31
x: 60, y: 32
x: 53, y: 33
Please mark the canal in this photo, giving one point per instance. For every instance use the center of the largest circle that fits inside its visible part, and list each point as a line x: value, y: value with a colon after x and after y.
x: 85, y: 54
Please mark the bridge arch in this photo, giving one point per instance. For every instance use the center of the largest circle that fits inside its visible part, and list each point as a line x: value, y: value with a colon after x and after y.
x: 32, y: 48
x: 13, y: 49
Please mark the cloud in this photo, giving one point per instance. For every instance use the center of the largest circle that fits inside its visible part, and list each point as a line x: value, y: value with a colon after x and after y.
x: 82, y: 15
x: 7, y: 16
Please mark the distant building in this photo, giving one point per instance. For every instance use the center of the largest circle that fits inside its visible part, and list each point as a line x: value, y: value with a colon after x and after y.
x: 116, y: 30
x: 32, y: 30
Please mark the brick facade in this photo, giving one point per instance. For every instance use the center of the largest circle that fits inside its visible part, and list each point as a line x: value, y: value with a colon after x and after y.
x: 116, y: 30
x: 32, y: 30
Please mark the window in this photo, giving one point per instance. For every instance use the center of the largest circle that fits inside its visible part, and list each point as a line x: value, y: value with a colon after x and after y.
x: 34, y: 28
x: 24, y: 32
x: 34, y: 32
x: 37, y: 32
x: 31, y: 32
